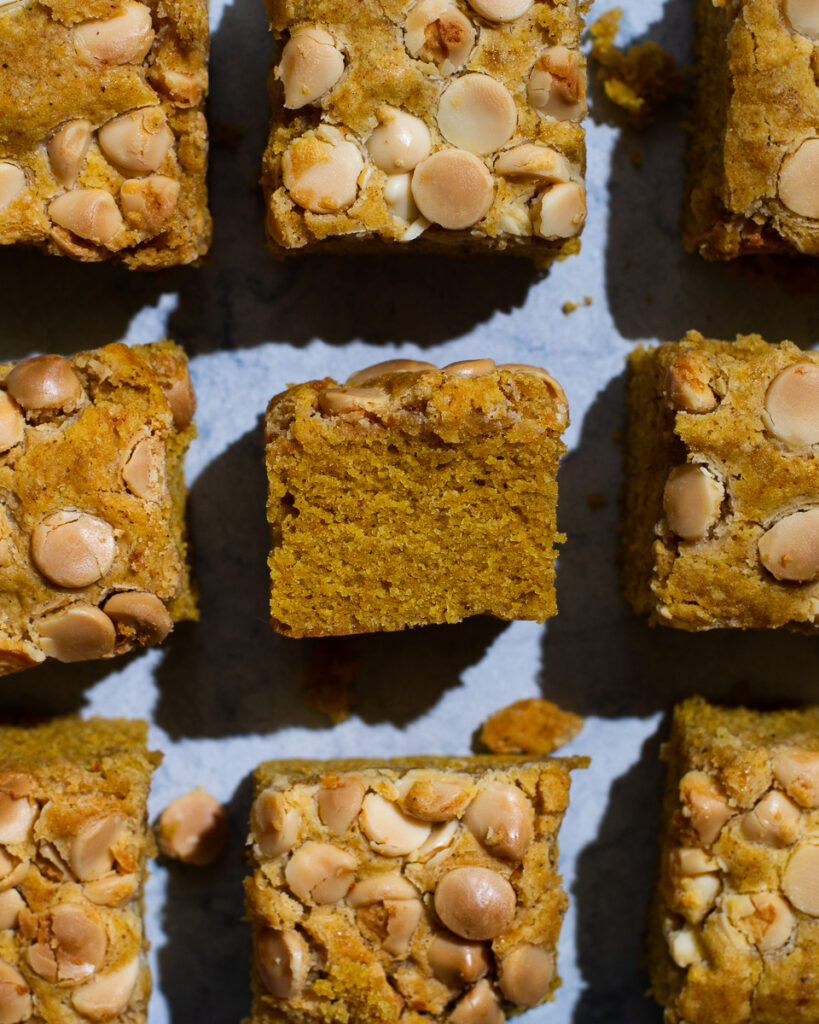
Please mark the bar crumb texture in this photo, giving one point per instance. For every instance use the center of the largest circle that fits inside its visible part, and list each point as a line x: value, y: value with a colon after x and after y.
x: 439, y: 124
x: 753, y: 153
x: 413, y: 495
x: 103, y: 139
x: 734, y: 927
x: 93, y: 547
x: 421, y: 889
x: 721, y: 519
x: 74, y: 840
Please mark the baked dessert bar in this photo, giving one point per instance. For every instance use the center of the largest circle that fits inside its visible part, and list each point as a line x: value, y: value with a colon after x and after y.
x: 734, y: 925
x: 441, y: 124
x: 423, y: 889
x: 413, y: 495
x: 93, y: 555
x: 75, y: 840
x: 103, y: 139
x: 721, y: 520
x: 753, y: 154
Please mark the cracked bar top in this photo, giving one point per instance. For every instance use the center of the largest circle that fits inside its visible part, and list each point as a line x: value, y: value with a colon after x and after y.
x: 74, y: 841
x: 93, y: 557
x: 721, y: 513
x: 103, y: 142
x: 438, y: 124
x: 416, y: 890
x: 754, y: 142
x: 734, y: 928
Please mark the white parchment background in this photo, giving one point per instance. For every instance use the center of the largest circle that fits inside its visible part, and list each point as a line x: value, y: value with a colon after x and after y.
x: 225, y: 694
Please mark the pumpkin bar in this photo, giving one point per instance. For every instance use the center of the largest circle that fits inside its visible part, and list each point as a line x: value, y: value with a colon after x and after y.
x: 103, y: 139
x: 75, y: 840
x: 93, y: 552
x: 422, y: 889
x: 413, y: 495
x: 753, y: 153
x: 444, y: 125
x: 721, y: 521
x: 734, y: 926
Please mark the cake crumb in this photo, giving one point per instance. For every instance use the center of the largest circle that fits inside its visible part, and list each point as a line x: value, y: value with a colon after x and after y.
x: 587, y: 300
x: 569, y: 307
x: 529, y: 726
x: 597, y: 500
x: 641, y: 79
x: 329, y: 677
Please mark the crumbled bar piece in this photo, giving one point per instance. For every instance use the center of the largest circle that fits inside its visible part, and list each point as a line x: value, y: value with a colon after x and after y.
x: 721, y: 515
x: 530, y: 726
x: 441, y: 124
x: 641, y: 79
x: 423, y: 889
x: 413, y: 495
x: 733, y: 927
x: 193, y: 828
x: 753, y: 151
x: 103, y: 140
x: 93, y: 555
x: 74, y: 841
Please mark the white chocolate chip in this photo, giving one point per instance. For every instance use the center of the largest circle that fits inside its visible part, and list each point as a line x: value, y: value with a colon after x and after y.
x: 437, y: 31
x: 687, y: 385
x: 500, y: 10
x: 181, y: 87
x: 535, y: 371
x: 12, y: 870
x: 80, y: 632
x: 11, y: 903
x: 12, y: 182
x: 108, y: 994
x: 336, y: 401
x: 704, y: 804
x: 799, y: 180
x: 17, y: 816
x: 193, y: 828
x: 112, y: 890
x: 149, y: 203
x: 339, y: 799
x: 440, y: 837
x: 434, y: 796
x: 501, y: 819
x: 452, y: 188
x: 400, y: 142
x: 764, y: 917
x: 469, y: 368
x: 284, y: 961
x: 402, y: 918
x: 774, y: 821
x: 140, y: 617
x: 377, y: 888
x: 12, y: 423
x: 91, y: 854
x: 45, y: 383
x: 791, y: 410
x: 124, y: 39
x: 697, y: 896
x: 388, y: 367
x: 144, y: 469
x: 390, y: 831
x: 477, y: 113
x: 89, y: 213
x: 800, y: 882
x: 536, y: 163
x: 320, y: 872
x: 181, y: 397
x: 516, y: 220
x: 137, y: 141
x: 803, y: 16
x: 475, y: 902
x: 690, y: 860
x: 398, y: 197
x: 73, y: 549
x: 67, y: 149
x: 321, y: 171
x: 479, y: 1006
x: 685, y: 947
x: 455, y: 961
x: 15, y: 995
x: 525, y: 975
x: 797, y: 771
x: 692, y: 499
x: 275, y: 824
x: 789, y: 550
x: 556, y: 87
x: 310, y: 66
x: 76, y: 945
x: 560, y: 211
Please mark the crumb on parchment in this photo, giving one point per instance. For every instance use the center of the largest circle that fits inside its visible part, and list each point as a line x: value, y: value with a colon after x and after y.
x: 529, y: 726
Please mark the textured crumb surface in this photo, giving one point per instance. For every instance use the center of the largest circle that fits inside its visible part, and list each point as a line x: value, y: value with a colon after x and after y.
x: 440, y: 505
x: 641, y: 79
x: 755, y: 105
x: 50, y: 82
x: 73, y: 796
x: 373, y: 954
x: 113, y: 460
x: 717, y: 579
x: 529, y: 726
x: 733, y: 928
x: 379, y: 70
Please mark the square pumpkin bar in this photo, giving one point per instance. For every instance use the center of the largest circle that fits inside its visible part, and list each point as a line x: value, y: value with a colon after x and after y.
x: 421, y: 889
x: 721, y: 514
x: 443, y: 125
x: 103, y: 139
x: 734, y: 927
x: 412, y: 495
x: 93, y: 550
x: 75, y: 842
